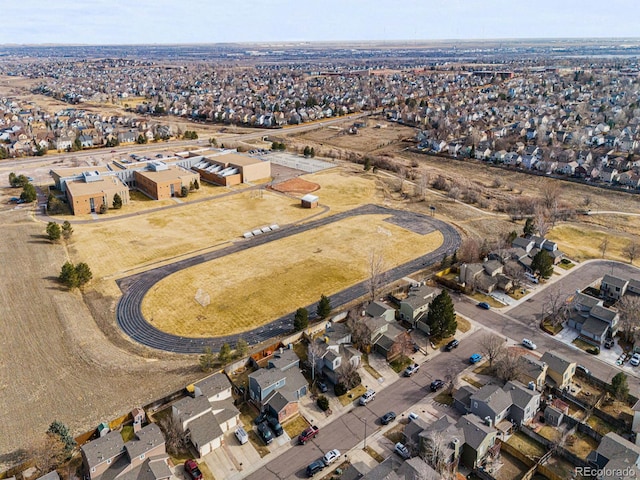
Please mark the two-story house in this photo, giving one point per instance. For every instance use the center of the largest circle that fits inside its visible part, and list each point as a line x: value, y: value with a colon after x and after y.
x: 532, y: 370
x: 560, y: 370
x: 380, y: 309
x: 417, y: 302
x: 479, y: 440
x: 388, y: 338
x: 615, y: 454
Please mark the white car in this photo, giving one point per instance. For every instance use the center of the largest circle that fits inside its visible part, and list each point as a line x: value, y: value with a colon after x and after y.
x: 529, y: 344
x: 241, y: 435
x: 367, y: 397
x: 403, y: 451
x: 331, y: 456
x: 635, y: 360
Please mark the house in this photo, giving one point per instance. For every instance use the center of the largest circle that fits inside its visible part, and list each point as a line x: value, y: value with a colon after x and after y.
x: 560, y: 370
x: 446, y: 437
x: 479, y: 440
x: 86, y: 141
x: 592, y: 319
x: 389, y: 339
x: 491, y: 403
x: 525, y: 402
x: 524, y: 243
x: 380, y: 309
x: 333, y: 359
x: 615, y: 454
x: 49, y: 476
x: 417, y: 302
x: 613, y: 288
x: 110, y: 455
x: 532, y: 370
x: 462, y: 398
x: 127, y: 137
x: 207, y: 414
x: 281, y: 375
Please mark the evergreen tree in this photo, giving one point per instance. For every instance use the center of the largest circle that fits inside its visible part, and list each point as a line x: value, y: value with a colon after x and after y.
x: 307, y: 151
x: 442, y: 316
x: 301, y: 319
x: 619, y: 386
x: 542, y: 264
x: 184, y: 191
x: 454, y: 257
x: 62, y: 431
x: 529, y: 226
x: 511, y: 237
x: 83, y: 273
x: 196, y: 184
x: 67, y: 230
x: 28, y: 193
x: 117, y: 201
x: 324, y: 307
x: 53, y: 231
x: 367, y: 163
x: 69, y: 276
x: 242, y: 347
x: 224, y: 355
x: 207, y: 360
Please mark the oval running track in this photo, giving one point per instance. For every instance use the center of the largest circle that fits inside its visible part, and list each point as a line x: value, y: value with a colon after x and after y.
x: 129, y: 310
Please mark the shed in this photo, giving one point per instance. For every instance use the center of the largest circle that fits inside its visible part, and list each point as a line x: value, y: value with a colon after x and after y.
x: 309, y: 201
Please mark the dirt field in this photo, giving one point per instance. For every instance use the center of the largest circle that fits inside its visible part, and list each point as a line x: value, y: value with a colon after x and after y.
x: 277, y: 278
x: 55, y: 362
x: 296, y: 186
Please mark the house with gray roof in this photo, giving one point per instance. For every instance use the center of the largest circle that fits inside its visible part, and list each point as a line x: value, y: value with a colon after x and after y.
x: 532, y: 369
x: 560, y: 370
x: 462, y: 398
x: 592, y: 319
x: 615, y: 454
x: 417, y: 302
x: 381, y: 309
x: 525, y: 402
x: 479, y: 440
x: 492, y: 403
x: 445, y: 437
x: 613, y: 288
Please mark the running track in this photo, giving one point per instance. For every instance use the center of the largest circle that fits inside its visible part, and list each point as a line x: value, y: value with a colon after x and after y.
x: 132, y: 322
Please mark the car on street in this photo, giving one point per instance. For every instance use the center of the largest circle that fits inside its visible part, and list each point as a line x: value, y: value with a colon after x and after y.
x: 314, y: 467
x: 401, y: 450
x: 529, y: 344
x: 484, y: 305
x: 411, y: 369
x: 331, y: 456
x: 583, y: 369
x: 241, y: 435
x: 452, y: 344
x: 387, y: 418
x: 475, y: 358
x: 265, y: 433
x: 367, y: 397
x: 308, y: 434
x: 436, y: 385
x: 191, y: 467
x: 635, y: 359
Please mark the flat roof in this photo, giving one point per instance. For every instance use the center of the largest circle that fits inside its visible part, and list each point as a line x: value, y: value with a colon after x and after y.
x: 237, y: 159
x: 172, y: 173
x: 107, y: 183
x: 73, y: 171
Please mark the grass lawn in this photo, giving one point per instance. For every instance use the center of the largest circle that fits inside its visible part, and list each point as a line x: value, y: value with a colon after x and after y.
x: 566, y: 266
x: 351, y: 395
x: 483, y: 369
x: 372, y: 371
x: 375, y: 455
x: 550, y: 433
x: 395, y: 434
x: 295, y: 426
x: 526, y: 445
x: 553, y: 328
x: 206, y: 472
x: 584, y: 243
x: 306, y: 265
x: 463, y: 324
x: 127, y: 433
x: 247, y: 414
x: 581, y: 444
x: 582, y: 344
x: 600, y: 425
x: 473, y: 382
x: 444, y: 399
x: 481, y: 297
x: 400, y: 363
x: 518, y: 293
x: 257, y: 443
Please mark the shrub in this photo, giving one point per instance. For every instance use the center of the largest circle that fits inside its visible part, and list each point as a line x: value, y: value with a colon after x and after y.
x: 323, y: 403
x: 340, y: 389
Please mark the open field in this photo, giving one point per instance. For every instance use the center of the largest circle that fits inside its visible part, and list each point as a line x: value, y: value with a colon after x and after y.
x: 275, y: 279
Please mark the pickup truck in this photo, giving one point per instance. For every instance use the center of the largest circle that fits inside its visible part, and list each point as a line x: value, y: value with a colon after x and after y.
x: 308, y: 434
x: 411, y: 369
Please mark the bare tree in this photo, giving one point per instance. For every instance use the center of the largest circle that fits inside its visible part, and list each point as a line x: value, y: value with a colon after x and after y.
x: 550, y: 192
x: 348, y: 374
x: 629, y: 308
x: 631, y: 251
x: 603, y: 245
x: 586, y: 200
x: 557, y: 307
x: 493, y: 347
x: 469, y: 251
x: 175, y: 440
x: 516, y: 272
x: 435, y: 452
x: 509, y: 367
x: 48, y: 452
x: 454, y: 193
x: 360, y: 331
x: 315, y: 351
x: 376, y: 278
x: 541, y: 222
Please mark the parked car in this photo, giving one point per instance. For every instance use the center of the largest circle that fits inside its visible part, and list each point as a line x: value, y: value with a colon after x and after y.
x: 387, y: 418
x: 322, y: 387
x: 413, y: 416
x: 583, y: 369
x: 308, y: 434
x: 275, y: 426
x: 609, y: 342
x: 484, y: 305
x: 260, y: 418
x: 367, y: 397
x: 475, y: 358
x: 401, y: 450
x: 436, y: 385
x: 241, y: 435
x: 314, y: 467
x: 529, y: 344
x: 265, y: 433
x: 331, y: 456
x: 531, y: 278
x: 191, y: 467
x: 411, y: 369
x: 635, y: 359
x: 452, y: 344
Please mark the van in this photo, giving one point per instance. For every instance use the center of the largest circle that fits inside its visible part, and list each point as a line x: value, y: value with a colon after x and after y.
x: 241, y: 435
x: 367, y: 397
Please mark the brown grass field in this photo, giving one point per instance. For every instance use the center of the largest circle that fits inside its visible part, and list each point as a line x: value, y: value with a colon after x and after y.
x: 276, y: 278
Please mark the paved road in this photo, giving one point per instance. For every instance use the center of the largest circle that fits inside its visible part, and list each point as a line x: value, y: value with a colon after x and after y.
x: 347, y: 431
x: 522, y: 321
x: 132, y: 322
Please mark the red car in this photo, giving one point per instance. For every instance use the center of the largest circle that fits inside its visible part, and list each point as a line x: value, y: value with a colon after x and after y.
x: 307, y: 435
x: 191, y: 467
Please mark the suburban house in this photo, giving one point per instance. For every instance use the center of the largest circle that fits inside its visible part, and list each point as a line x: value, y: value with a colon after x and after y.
x: 207, y: 414
x: 388, y: 338
x: 613, y: 288
x: 393, y: 468
x: 615, y: 454
x: 446, y: 437
x: 560, y: 370
x: 281, y: 381
x: 479, y: 441
x: 531, y: 369
x: 110, y: 455
x: 381, y: 309
x: 414, y: 307
x: 513, y: 402
x: 333, y: 359
x: 486, y: 276
x: 592, y: 319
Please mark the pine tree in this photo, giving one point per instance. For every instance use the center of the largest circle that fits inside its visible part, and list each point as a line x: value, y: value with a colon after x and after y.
x: 301, y: 319
x: 242, y: 347
x: 69, y: 276
x: 224, y: 355
x: 207, y: 360
x: 442, y: 316
x: 542, y: 264
x: 529, y: 226
x: 67, y: 230
x: 324, y: 307
x: 83, y: 273
x: 53, y: 231
x: 117, y: 201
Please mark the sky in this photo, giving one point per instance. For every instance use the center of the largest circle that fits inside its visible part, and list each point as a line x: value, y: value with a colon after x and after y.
x: 109, y: 22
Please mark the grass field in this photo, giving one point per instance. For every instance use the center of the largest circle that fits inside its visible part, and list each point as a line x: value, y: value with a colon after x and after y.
x: 276, y: 278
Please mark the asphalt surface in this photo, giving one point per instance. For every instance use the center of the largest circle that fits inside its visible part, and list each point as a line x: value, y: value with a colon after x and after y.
x: 129, y: 310
x: 522, y: 321
x: 348, y: 430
